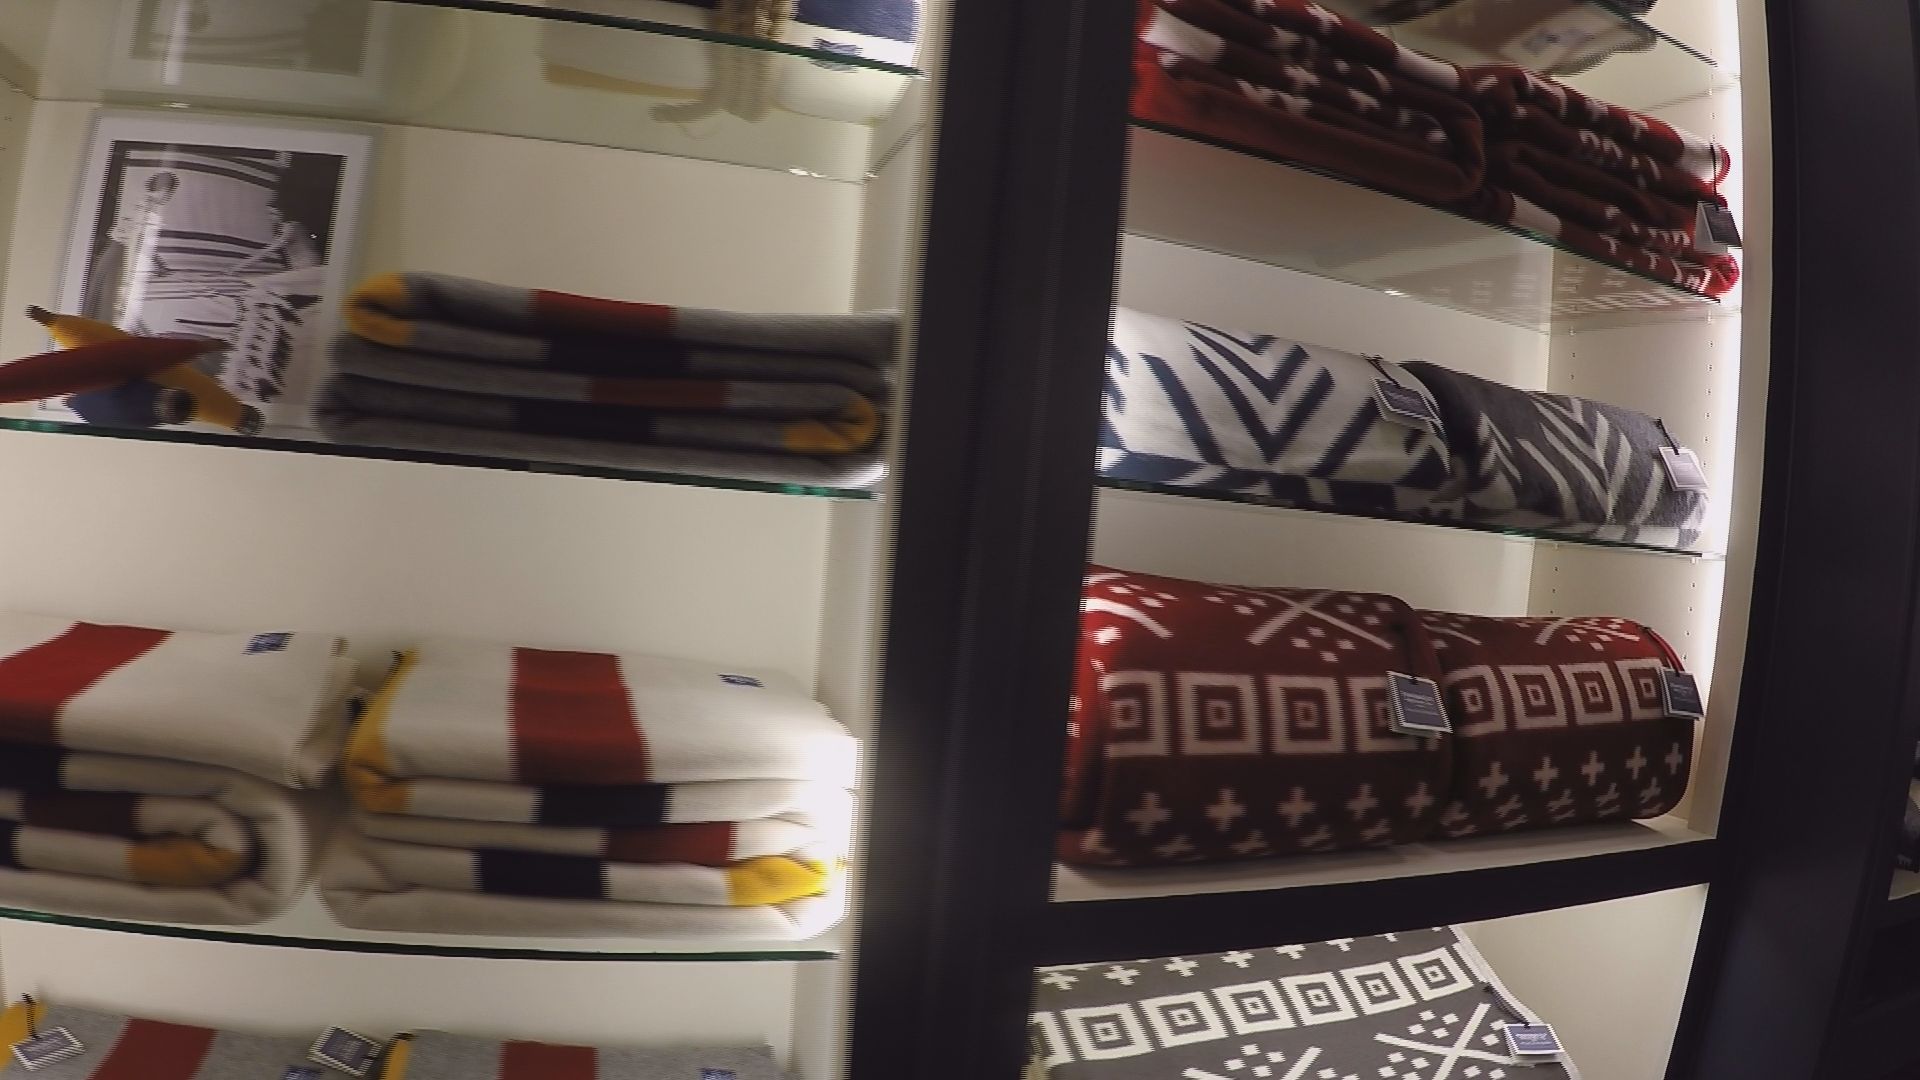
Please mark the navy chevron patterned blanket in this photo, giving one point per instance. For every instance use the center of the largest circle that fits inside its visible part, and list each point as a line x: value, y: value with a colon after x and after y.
x: 1562, y: 464
x: 1191, y: 406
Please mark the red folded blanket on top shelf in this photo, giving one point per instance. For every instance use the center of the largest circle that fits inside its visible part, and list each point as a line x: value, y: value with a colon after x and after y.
x: 1211, y: 722
x: 1291, y: 79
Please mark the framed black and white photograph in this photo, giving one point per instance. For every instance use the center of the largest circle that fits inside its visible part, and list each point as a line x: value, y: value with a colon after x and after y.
x: 225, y: 229
x: 325, y: 53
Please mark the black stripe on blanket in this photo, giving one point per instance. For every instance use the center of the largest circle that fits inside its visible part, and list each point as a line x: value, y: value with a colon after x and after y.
x: 9, y: 849
x: 526, y: 873
x: 603, y: 807
x: 31, y: 768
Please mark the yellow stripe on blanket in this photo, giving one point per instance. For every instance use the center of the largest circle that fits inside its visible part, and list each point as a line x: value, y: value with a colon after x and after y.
x: 856, y: 429
x: 181, y: 862
x: 370, y: 311
x: 775, y: 879
x: 399, y: 1053
x: 369, y: 764
x: 16, y: 1024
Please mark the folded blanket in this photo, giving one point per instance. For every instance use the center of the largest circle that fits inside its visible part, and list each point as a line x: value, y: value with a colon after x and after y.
x: 1557, y: 722
x: 827, y: 824
x: 435, y: 1055
x: 115, y: 836
x: 1413, y: 1005
x: 361, y: 894
x: 1559, y: 463
x: 1289, y: 78
x: 270, y: 705
x: 617, y: 726
x: 1705, y: 275
x: 1498, y: 90
x: 771, y: 879
x: 1907, y: 853
x: 1192, y: 406
x: 1555, y: 37
x: 1217, y: 722
x: 120, y: 1048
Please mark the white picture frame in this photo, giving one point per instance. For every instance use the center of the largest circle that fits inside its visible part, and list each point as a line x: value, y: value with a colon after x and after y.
x: 309, y: 54
x: 223, y: 227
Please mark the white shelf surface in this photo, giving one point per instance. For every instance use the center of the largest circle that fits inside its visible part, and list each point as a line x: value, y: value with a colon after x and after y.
x: 1080, y: 885
x: 1905, y: 883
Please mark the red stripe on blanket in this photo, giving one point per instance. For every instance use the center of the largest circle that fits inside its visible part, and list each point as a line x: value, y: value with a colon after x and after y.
x: 37, y: 683
x: 539, y: 1061
x: 151, y: 1050
x: 573, y: 722
x: 705, y: 844
x: 590, y: 315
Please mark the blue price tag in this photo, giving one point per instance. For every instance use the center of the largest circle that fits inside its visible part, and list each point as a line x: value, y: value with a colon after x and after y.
x: 347, y: 1051
x: 1680, y: 695
x: 1416, y: 706
x: 741, y: 680
x: 50, y: 1047
x: 1532, y: 1040
x: 266, y: 643
x: 716, y: 1074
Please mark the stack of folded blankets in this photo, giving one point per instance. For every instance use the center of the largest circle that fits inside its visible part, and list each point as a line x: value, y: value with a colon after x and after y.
x: 1294, y: 79
x: 1614, y: 184
x: 530, y: 791
x: 115, y: 1046
x: 1188, y: 405
x: 442, y: 364
x: 150, y: 774
x: 1554, y: 37
x: 1220, y: 722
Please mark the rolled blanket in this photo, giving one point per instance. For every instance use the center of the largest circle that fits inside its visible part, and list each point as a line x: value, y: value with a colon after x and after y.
x: 1292, y: 79
x: 826, y: 823
x: 771, y: 879
x: 115, y: 1047
x: 101, y: 366
x: 269, y: 705
x: 1418, y: 1003
x: 1217, y: 722
x: 1192, y: 406
x: 436, y: 1055
x: 1561, y: 464
x: 1557, y: 722
x: 361, y: 894
x: 115, y: 836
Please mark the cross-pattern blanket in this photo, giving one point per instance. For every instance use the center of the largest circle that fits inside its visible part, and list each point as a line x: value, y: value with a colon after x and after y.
x: 1192, y: 406
x: 1290, y: 78
x: 1562, y: 464
x: 116, y: 836
x: 1217, y: 722
x: 447, y: 364
x: 270, y: 705
x: 1556, y: 721
x: 1419, y: 1003
x: 436, y: 1055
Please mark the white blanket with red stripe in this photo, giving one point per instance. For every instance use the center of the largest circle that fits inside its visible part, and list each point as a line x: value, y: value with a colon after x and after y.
x: 269, y: 705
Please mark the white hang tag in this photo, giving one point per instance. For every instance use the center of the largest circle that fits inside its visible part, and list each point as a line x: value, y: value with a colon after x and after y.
x: 1715, y: 232
x: 49, y: 1047
x: 1684, y: 470
x: 347, y: 1051
x: 1404, y: 405
x: 1532, y: 1041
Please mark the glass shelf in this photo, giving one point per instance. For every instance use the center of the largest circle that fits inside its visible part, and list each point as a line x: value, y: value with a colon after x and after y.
x: 1269, y: 503
x: 298, y: 441
x: 1656, y: 69
x: 591, y: 77
x: 1279, y: 212
x: 308, y: 925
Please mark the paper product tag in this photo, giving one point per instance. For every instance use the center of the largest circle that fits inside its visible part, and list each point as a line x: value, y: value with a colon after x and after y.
x: 716, y: 1074
x: 1532, y: 1040
x: 347, y: 1051
x: 1683, y: 467
x: 741, y: 680
x: 301, y: 1072
x: 1404, y: 405
x: 1715, y: 232
x: 1680, y: 695
x: 50, y: 1047
x: 266, y: 643
x: 1416, y: 706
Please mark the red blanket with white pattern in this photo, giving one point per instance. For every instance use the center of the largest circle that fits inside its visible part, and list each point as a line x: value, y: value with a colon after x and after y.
x: 1556, y: 722
x: 1213, y: 722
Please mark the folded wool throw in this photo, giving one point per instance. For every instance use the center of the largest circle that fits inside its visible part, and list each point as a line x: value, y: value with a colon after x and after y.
x: 1217, y: 722
x: 827, y: 824
x: 124, y: 1048
x: 1292, y: 79
x: 1557, y: 722
x: 544, y: 727
x: 1192, y: 406
x: 771, y: 879
x: 361, y: 894
x: 436, y: 1055
x: 269, y: 705
x: 1498, y: 90
x: 1563, y: 464
x: 115, y: 836
x: 1413, y: 1005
